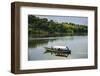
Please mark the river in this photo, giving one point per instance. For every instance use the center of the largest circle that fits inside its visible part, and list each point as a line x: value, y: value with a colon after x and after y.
x: 77, y: 44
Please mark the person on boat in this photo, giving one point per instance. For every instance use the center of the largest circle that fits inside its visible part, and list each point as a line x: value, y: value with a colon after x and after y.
x: 58, y: 49
x: 67, y: 48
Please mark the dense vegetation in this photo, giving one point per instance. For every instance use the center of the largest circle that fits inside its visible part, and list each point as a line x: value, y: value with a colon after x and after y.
x: 44, y: 27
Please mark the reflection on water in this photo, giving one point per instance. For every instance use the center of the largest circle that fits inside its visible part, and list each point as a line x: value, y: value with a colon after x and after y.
x: 77, y: 44
x: 38, y: 42
x: 61, y: 54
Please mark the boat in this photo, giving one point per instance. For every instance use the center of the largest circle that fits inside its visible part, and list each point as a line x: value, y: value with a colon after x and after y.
x: 58, y: 50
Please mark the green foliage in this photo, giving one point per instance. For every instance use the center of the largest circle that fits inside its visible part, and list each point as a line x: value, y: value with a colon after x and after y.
x: 39, y: 26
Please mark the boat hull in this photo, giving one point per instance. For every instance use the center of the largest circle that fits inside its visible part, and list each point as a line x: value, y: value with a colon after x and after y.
x: 58, y: 50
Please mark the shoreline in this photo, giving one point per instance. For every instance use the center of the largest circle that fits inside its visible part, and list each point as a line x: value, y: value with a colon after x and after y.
x: 56, y: 35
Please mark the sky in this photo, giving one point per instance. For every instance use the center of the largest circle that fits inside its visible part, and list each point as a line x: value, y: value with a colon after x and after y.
x: 72, y: 19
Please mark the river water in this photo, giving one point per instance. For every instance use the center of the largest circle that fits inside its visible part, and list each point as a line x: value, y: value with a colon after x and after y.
x: 77, y: 44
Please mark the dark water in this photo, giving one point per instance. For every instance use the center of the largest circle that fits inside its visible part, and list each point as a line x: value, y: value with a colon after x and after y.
x: 77, y: 44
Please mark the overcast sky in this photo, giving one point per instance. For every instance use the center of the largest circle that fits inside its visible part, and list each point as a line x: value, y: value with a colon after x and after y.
x: 72, y: 19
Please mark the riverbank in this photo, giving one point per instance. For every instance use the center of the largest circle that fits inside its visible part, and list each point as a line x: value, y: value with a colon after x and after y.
x: 56, y: 35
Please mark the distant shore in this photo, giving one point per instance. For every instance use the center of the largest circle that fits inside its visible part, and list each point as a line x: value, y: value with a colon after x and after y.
x: 42, y: 27
x: 56, y: 35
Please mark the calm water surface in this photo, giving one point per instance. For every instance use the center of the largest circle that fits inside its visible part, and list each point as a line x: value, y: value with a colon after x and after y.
x: 77, y: 44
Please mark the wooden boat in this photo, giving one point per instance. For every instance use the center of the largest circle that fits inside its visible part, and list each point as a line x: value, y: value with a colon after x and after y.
x: 58, y: 50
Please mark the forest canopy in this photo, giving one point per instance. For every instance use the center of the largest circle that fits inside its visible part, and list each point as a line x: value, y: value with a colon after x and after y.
x: 42, y: 27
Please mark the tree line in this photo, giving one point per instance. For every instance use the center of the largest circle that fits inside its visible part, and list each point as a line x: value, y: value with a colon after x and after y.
x: 44, y: 27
